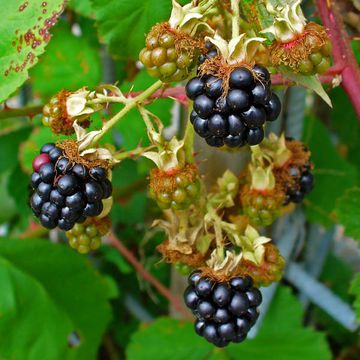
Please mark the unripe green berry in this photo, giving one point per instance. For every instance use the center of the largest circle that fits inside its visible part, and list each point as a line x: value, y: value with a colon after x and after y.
x: 167, y: 40
x: 167, y: 69
x: 158, y: 56
x: 316, y: 58
x: 179, y: 195
x: 323, y: 66
x: 306, y: 67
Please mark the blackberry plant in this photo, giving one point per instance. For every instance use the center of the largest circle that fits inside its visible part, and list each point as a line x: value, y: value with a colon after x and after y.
x: 217, y: 198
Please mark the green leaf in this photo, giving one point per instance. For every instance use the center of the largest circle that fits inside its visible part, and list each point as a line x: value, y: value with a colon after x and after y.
x: 348, y: 210
x: 47, y: 292
x: 24, y: 30
x: 132, y: 127
x: 7, y: 203
x: 310, y: 82
x: 355, y: 290
x: 122, y: 24
x: 112, y: 255
x: 70, y: 62
x: 333, y: 174
x: 165, y: 339
x: 18, y: 187
x: 282, y: 337
x: 82, y: 7
x: 349, y: 135
x: 10, y: 143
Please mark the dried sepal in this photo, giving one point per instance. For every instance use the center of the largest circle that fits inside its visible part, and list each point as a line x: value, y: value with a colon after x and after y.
x: 224, y: 263
x: 252, y: 245
x: 289, y: 20
x: 84, y: 140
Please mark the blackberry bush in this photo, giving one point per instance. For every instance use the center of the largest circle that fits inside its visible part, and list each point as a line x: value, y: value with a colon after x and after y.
x: 64, y: 192
x: 235, y: 118
x: 224, y: 311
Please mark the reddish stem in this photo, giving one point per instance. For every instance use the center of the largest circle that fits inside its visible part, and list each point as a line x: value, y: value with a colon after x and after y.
x: 118, y: 245
x: 342, y: 51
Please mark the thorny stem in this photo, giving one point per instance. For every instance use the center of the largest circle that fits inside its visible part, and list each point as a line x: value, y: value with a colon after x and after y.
x: 119, y: 246
x: 342, y: 52
x: 129, y: 106
x: 235, y: 18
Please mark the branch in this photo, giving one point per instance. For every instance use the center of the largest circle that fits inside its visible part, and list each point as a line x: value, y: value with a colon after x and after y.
x: 29, y: 111
x: 118, y: 245
x: 342, y: 51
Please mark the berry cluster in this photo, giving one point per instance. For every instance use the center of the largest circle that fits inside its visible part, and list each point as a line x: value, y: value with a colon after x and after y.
x: 64, y: 192
x: 318, y: 62
x: 225, y: 311
x: 57, y: 118
x: 161, y: 58
x: 261, y: 208
x: 84, y: 237
x: 235, y: 118
x: 304, y: 183
x: 176, y: 190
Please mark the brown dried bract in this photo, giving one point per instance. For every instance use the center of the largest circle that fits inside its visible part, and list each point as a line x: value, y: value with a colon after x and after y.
x: 184, y: 43
x: 292, y: 53
x: 71, y: 151
x: 165, y: 181
x: 194, y: 260
x: 63, y: 124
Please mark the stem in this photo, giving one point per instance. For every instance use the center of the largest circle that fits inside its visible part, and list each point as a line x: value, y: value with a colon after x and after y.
x: 29, y: 111
x: 131, y: 154
x: 107, y: 99
x: 129, y: 106
x: 189, y: 142
x: 235, y: 18
x: 342, y: 51
x: 118, y: 245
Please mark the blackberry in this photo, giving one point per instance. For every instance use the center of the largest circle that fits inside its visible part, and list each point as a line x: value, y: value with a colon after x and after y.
x: 303, y: 185
x: 237, y: 118
x: 167, y: 54
x: 63, y: 192
x: 176, y: 188
x: 225, y: 311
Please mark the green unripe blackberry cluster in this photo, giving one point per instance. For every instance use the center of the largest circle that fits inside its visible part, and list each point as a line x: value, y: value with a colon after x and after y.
x: 164, y: 57
x: 318, y: 62
x: 176, y: 189
x: 86, y: 237
x: 262, y: 208
x: 56, y: 116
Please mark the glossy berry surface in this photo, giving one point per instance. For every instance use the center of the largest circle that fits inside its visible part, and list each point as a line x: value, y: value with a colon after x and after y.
x: 303, y: 186
x: 224, y: 311
x: 64, y: 193
x: 236, y: 118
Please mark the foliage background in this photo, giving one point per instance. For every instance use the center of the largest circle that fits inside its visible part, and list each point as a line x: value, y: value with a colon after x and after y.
x: 57, y: 304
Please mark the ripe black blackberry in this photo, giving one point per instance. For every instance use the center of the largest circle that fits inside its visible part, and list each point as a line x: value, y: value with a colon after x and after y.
x: 237, y: 118
x: 63, y: 192
x: 304, y: 183
x: 225, y: 311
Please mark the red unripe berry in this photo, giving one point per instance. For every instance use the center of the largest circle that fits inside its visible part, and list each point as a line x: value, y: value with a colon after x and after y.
x: 39, y: 161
